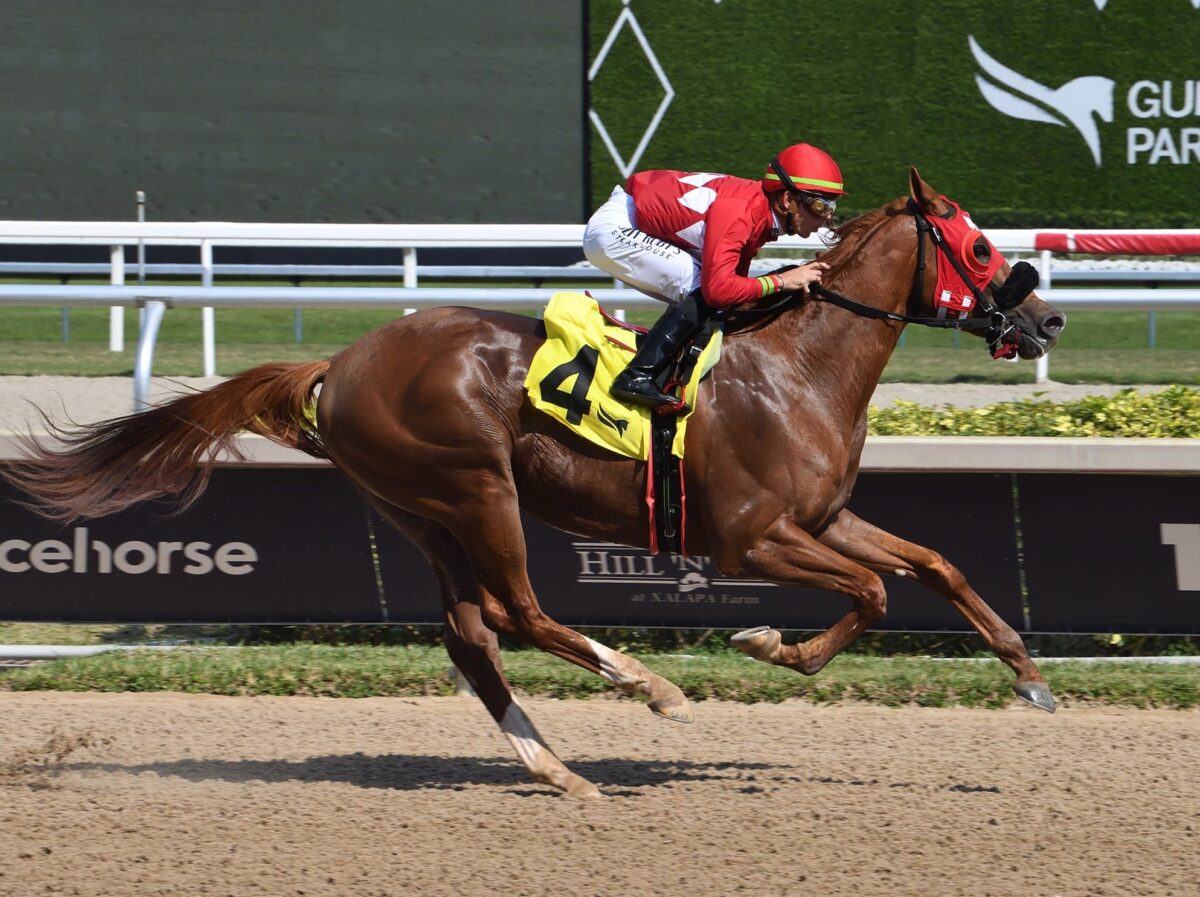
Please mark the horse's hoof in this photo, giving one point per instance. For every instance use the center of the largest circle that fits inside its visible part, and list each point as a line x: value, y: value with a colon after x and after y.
x: 761, y: 642
x: 580, y: 788
x: 668, y: 701
x: 1036, y: 693
x: 674, y: 709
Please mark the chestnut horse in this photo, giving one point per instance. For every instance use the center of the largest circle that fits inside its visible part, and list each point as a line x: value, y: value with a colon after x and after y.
x: 428, y: 417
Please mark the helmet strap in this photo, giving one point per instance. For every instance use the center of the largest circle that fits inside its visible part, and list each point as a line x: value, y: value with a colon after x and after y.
x: 783, y: 176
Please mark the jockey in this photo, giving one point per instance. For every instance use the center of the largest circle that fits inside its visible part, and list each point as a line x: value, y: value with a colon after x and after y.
x: 688, y: 238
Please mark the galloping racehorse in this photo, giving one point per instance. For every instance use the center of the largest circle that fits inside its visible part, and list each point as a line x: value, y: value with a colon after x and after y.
x: 428, y: 417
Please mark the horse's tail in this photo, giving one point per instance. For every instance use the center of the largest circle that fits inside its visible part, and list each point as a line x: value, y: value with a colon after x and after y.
x: 101, y: 468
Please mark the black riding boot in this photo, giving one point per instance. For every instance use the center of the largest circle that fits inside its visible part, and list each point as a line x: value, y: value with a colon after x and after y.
x: 659, y: 347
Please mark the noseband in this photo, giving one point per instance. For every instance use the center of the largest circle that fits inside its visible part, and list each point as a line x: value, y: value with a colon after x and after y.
x: 997, y: 326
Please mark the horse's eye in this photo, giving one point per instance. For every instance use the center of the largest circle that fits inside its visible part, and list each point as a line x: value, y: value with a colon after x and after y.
x: 982, y: 251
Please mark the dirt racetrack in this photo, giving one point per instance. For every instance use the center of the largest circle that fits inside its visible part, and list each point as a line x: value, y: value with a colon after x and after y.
x: 157, y: 794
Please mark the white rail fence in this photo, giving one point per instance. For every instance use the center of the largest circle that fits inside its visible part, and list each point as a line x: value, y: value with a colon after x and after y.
x: 206, y: 237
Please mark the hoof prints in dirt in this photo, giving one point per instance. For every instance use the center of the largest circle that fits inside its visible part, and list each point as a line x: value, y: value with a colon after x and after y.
x: 965, y: 789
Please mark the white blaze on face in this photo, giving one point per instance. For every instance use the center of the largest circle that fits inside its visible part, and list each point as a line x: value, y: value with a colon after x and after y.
x: 618, y: 669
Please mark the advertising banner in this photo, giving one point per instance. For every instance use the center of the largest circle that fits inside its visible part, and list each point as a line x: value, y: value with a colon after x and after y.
x: 967, y: 516
x: 283, y: 546
x: 1092, y: 553
x: 1110, y: 553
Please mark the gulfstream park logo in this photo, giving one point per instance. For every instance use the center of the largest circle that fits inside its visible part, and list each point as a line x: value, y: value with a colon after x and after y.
x: 86, y: 555
x: 1084, y: 102
x: 1076, y: 102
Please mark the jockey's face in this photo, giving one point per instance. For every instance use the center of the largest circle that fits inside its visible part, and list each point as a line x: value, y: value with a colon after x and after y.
x: 798, y: 218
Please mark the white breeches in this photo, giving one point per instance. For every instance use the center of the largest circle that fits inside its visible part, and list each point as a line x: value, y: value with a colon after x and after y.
x: 612, y: 242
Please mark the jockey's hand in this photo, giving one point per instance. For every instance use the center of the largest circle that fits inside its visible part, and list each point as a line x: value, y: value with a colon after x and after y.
x: 800, y: 278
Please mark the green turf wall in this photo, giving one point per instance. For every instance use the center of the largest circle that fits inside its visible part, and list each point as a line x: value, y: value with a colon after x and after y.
x: 883, y: 84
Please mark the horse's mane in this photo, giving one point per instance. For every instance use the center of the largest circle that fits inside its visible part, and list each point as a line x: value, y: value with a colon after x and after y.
x: 845, y: 241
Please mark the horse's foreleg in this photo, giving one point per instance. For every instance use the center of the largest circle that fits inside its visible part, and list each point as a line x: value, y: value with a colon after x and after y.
x: 491, y: 532
x: 884, y: 553
x: 476, y: 653
x: 788, y: 555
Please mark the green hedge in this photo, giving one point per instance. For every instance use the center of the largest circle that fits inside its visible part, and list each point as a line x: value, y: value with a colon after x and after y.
x: 1173, y: 412
x: 883, y: 85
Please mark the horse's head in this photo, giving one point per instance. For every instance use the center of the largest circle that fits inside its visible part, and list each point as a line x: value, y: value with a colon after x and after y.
x: 922, y: 260
x: 967, y: 277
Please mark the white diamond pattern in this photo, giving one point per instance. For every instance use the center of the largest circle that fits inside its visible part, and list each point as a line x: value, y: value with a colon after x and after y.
x: 626, y: 167
x: 693, y: 234
x: 699, y: 199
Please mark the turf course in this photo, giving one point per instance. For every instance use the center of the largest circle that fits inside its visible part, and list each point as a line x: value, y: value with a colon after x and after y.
x: 1097, y: 347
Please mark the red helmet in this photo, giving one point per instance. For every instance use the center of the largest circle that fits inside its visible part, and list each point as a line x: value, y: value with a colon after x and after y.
x: 803, y: 167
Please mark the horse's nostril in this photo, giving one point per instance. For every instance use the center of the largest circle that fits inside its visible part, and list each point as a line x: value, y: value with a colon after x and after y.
x: 1053, y: 325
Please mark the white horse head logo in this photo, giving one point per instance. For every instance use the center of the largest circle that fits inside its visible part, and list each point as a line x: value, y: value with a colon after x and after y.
x: 1077, y: 102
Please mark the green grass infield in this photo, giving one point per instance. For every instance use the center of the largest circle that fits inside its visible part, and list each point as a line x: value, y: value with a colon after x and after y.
x: 370, y: 671
x: 1097, y: 347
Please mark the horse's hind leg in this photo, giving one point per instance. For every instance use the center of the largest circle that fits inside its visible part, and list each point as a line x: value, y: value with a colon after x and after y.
x: 475, y: 651
x: 882, y: 552
x: 488, y: 524
x: 788, y: 554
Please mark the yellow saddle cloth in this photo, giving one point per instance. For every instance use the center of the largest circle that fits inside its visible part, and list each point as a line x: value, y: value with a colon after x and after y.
x: 571, y: 373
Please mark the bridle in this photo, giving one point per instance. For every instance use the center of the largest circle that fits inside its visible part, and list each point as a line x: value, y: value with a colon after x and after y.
x: 999, y: 329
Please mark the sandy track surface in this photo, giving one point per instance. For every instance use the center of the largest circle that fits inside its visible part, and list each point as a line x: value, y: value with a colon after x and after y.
x: 87, y: 399
x: 81, y: 399
x: 166, y: 794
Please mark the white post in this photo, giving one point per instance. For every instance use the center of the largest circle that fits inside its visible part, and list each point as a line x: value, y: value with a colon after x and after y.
x: 462, y: 685
x: 410, y: 271
x: 1042, y: 368
x: 116, y: 314
x: 141, y: 244
x: 140, y: 200
x: 208, y: 320
x: 143, y: 365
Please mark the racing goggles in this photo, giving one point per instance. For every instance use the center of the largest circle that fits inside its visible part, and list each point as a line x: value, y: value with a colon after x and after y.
x: 821, y: 206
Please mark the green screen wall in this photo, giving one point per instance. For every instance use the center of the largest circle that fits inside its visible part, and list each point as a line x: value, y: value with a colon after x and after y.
x: 883, y: 84
x: 293, y: 110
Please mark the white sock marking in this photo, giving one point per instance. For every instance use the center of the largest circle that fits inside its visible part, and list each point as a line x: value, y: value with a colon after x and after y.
x: 524, y: 737
x: 617, y: 668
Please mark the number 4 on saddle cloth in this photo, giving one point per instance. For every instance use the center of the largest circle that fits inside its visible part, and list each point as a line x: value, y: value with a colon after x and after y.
x: 569, y: 378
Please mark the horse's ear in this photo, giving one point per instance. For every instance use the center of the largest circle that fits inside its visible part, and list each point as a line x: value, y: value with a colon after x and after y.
x: 924, y: 195
x: 921, y: 192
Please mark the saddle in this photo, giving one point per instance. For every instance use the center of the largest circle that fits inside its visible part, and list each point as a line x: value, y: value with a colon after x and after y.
x: 569, y: 378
